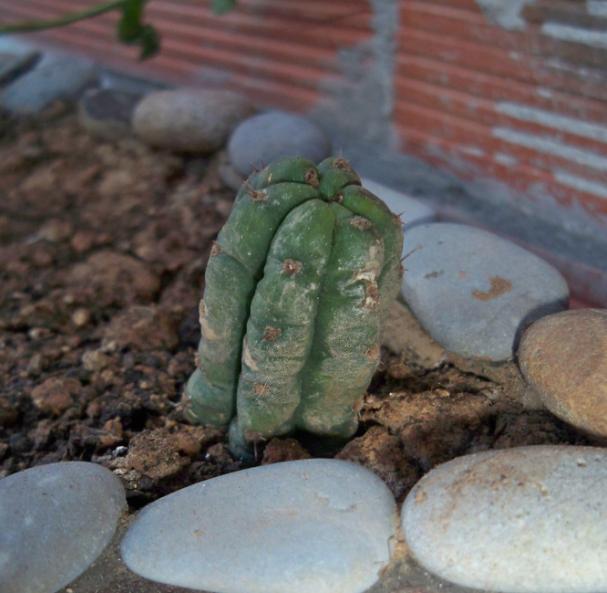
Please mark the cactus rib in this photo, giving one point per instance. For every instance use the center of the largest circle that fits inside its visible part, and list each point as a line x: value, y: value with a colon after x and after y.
x: 345, y: 353
x: 281, y: 322
x: 233, y: 269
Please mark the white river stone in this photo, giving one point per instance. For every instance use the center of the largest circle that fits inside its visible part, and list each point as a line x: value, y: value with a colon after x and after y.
x: 55, y: 520
x: 523, y: 520
x: 475, y: 292
x: 311, y: 526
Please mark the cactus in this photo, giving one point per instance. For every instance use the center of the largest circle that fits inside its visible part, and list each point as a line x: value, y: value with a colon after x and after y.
x: 296, y: 288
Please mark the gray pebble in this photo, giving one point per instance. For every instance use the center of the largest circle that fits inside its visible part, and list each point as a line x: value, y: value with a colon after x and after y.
x: 228, y: 173
x: 189, y: 120
x: 266, y: 137
x: 55, y: 520
x: 13, y: 65
x: 313, y: 526
x: 474, y: 292
x: 107, y: 113
x: 54, y: 78
x: 523, y: 520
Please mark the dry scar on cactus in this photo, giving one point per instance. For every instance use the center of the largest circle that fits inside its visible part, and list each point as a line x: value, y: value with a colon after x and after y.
x: 296, y: 289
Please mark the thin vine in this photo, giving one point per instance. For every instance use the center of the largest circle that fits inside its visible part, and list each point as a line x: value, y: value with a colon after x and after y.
x: 131, y: 28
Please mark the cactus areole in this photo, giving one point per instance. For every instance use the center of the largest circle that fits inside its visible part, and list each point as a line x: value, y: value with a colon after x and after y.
x: 296, y: 288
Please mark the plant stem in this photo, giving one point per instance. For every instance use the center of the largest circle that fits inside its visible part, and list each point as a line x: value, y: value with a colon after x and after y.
x: 68, y: 19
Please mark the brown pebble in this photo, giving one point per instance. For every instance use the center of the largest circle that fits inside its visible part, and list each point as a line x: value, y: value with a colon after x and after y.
x: 38, y: 333
x: 152, y: 453
x: 55, y: 230
x: 82, y: 241
x: 114, y: 277
x: 156, y: 454
x: 112, y: 433
x: 80, y: 317
x: 141, y: 328
x: 564, y: 358
x: 55, y: 394
x: 94, y: 409
x: 95, y: 360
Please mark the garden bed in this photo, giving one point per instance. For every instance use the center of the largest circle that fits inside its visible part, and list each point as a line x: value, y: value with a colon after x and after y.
x: 102, y: 254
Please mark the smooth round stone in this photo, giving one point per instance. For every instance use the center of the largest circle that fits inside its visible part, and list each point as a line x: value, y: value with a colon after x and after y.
x: 524, y: 520
x: 195, y: 121
x: 564, y: 357
x: 312, y: 526
x: 474, y: 292
x: 410, y: 210
x: 55, y: 520
x: 107, y: 113
x: 228, y: 173
x: 13, y: 65
x: 54, y: 78
x: 263, y: 138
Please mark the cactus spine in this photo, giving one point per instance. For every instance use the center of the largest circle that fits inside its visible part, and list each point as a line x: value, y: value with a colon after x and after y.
x: 296, y: 288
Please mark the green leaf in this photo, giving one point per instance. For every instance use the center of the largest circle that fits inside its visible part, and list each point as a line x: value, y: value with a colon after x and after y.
x: 149, y: 41
x: 130, y: 26
x: 132, y: 30
x: 223, y: 6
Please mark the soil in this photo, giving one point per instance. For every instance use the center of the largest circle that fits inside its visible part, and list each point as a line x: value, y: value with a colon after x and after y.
x: 103, y: 248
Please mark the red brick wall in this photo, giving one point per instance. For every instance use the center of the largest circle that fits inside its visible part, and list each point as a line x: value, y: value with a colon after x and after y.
x: 525, y: 105
x: 520, y: 97
x: 277, y: 51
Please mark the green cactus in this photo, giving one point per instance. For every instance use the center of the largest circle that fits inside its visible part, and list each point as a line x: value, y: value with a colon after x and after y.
x: 296, y: 288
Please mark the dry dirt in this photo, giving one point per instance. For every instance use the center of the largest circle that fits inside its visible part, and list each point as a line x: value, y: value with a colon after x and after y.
x: 102, y: 255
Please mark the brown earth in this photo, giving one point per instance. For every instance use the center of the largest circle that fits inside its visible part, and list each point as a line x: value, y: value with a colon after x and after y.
x: 102, y: 255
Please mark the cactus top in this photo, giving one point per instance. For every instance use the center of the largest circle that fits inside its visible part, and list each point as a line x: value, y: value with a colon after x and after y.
x: 296, y: 287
